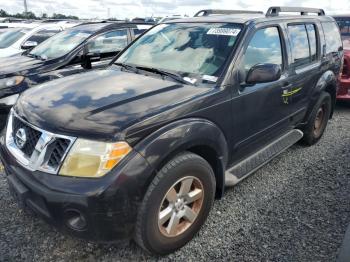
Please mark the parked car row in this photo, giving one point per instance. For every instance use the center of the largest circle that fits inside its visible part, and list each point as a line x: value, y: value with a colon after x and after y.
x: 141, y: 148
x: 80, y: 48
x: 344, y: 88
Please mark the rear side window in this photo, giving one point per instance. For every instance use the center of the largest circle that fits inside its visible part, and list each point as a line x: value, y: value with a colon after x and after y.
x: 333, y: 39
x: 300, y: 45
x: 42, y: 35
x: 109, y: 42
x: 264, y: 47
x: 138, y: 32
x: 344, y: 26
x: 311, y: 32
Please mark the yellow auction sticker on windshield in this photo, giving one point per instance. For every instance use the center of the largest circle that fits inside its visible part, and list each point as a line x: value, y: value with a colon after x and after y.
x: 224, y: 31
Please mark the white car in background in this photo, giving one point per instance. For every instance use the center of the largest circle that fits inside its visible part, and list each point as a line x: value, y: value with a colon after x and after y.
x: 170, y: 18
x: 16, y: 40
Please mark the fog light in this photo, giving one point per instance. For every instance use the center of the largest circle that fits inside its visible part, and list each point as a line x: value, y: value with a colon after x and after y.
x: 75, y: 220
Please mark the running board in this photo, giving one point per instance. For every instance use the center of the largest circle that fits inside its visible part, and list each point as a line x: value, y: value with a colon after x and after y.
x: 249, y: 165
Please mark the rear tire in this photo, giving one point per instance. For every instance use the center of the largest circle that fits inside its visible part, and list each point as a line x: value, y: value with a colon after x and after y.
x: 318, y: 120
x: 176, y: 204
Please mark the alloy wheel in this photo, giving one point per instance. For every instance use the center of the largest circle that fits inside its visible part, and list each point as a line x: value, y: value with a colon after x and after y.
x: 180, y: 206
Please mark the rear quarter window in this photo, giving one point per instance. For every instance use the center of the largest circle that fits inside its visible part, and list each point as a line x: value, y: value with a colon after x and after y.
x: 332, y: 37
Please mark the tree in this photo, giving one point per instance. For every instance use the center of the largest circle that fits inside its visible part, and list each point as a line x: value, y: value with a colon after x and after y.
x: 31, y: 15
x: 3, y: 13
x: 61, y: 16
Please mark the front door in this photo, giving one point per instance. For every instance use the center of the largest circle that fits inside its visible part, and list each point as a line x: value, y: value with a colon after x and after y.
x: 259, y: 112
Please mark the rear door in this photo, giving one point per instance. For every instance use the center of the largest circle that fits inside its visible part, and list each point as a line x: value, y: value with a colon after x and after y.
x: 305, y: 67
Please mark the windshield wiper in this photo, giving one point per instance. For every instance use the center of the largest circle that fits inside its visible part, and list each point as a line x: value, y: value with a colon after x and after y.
x: 126, y: 66
x: 174, y: 76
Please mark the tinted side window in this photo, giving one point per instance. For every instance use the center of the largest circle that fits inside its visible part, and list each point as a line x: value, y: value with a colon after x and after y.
x: 311, y: 31
x: 109, y: 42
x: 42, y: 35
x: 300, y: 44
x: 138, y: 32
x: 264, y: 47
x: 333, y: 39
x: 344, y: 25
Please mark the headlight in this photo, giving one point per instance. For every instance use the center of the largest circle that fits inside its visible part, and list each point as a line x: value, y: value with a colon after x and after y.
x: 9, y: 100
x: 93, y: 159
x: 11, y: 81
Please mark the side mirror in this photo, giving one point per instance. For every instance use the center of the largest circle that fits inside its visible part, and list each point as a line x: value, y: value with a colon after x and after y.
x: 29, y: 45
x: 87, y: 57
x: 93, y: 57
x: 263, y: 73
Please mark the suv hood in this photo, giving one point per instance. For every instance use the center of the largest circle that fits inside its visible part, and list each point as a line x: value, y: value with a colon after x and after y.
x: 18, y: 64
x: 99, y: 104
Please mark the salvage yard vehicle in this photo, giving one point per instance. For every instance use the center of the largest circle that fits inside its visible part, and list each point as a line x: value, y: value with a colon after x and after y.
x: 344, y: 87
x: 141, y: 148
x: 17, y: 40
x: 70, y: 52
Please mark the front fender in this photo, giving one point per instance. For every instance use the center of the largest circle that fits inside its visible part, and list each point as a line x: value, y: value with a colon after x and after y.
x: 184, y: 135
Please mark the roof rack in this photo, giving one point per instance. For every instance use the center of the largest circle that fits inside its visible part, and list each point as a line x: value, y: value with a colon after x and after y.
x: 208, y: 12
x: 276, y: 10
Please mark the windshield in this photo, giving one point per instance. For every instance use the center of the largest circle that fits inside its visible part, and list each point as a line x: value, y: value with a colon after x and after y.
x: 344, y: 26
x: 189, y: 49
x: 60, y: 44
x: 10, y: 36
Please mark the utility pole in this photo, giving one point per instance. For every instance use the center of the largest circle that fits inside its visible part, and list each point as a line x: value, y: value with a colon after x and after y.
x: 25, y: 6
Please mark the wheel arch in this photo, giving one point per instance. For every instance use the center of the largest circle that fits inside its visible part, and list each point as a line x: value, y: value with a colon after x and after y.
x: 326, y: 83
x: 199, y: 136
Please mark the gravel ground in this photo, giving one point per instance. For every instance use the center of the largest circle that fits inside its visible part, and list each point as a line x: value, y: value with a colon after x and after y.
x: 296, y: 208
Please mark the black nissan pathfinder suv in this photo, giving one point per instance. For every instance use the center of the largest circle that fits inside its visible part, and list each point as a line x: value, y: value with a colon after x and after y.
x: 140, y: 149
x: 92, y: 45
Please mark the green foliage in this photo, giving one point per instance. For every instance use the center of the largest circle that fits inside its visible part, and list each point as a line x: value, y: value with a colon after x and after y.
x: 31, y: 15
x: 60, y: 16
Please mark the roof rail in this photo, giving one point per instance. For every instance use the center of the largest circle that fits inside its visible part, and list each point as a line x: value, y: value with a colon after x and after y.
x: 276, y: 10
x: 207, y: 12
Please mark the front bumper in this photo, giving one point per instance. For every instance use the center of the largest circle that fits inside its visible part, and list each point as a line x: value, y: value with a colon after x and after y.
x: 344, y: 89
x: 108, y: 205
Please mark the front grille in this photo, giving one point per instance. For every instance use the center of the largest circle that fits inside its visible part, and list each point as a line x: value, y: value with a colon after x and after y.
x: 32, y: 136
x: 59, y: 148
x: 41, y: 150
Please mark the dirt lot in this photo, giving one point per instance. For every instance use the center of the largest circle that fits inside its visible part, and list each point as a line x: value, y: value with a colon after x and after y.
x: 296, y: 208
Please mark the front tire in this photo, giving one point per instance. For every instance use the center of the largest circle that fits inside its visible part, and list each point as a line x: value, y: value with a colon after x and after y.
x: 176, y: 204
x: 318, y: 120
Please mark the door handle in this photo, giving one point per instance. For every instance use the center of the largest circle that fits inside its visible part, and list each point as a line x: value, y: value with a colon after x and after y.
x: 286, y: 84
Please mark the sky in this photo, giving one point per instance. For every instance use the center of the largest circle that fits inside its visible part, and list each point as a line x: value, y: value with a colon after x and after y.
x: 145, y: 8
